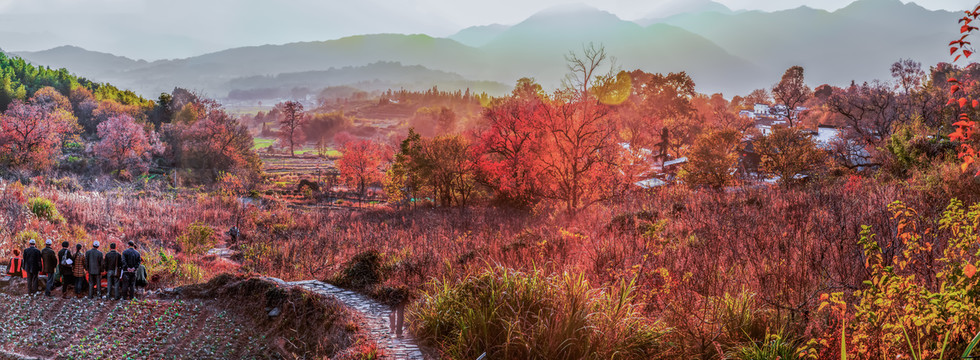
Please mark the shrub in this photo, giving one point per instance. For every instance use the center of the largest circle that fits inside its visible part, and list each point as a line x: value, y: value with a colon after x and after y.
x: 45, y: 209
x: 197, y: 238
x: 775, y: 347
x: 919, y: 303
x: 26, y: 235
x: 362, y: 271
x: 168, y: 268
x: 515, y: 315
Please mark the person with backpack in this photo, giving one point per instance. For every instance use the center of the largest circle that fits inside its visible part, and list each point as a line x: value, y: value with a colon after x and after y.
x: 49, y: 262
x: 94, y: 263
x: 16, y: 268
x: 78, y: 269
x: 131, y: 261
x: 64, y: 268
x: 113, y: 268
x: 32, y: 264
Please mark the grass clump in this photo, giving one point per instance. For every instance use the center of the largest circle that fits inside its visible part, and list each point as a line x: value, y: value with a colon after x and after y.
x: 197, y: 238
x: 45, y: 209
x: 515, y: 315
x: 24, y: 236
x: 774, y: 347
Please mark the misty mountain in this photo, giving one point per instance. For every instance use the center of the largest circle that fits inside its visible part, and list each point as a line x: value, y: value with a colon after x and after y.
x: 477, y: 36
x: 541, y: 42
x: 378, y: 76
x: 858, y: 42
x: 91, y: 64
x: 723, y: 51
x: 211, y: 73
x: 668, y: 8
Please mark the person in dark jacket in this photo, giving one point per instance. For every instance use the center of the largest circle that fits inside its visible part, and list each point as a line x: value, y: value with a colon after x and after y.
x: 49, y: 260
x: 65, y: 269
x: 32, y: 264
x: 113, y: 268
x: 130, y: 262
x: 94, y: 263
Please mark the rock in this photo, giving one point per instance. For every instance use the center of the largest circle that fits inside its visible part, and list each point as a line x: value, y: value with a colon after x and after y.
x: 279, y: 282
x: 275, y: 312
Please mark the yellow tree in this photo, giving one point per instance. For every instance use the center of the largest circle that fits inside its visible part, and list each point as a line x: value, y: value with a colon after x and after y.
x: 712, y: 160
x: 788, y: 152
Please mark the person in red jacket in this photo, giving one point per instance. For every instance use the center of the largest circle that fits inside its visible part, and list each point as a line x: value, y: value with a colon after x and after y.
x: 16, y: 268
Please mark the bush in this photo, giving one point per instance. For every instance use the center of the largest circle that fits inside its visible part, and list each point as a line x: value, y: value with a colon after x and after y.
x: 197, y: 238
x: 45, y: 209
x: 362, y: 271
x: 26, y: 235
x: 515, y: 315
x: 773, y: 348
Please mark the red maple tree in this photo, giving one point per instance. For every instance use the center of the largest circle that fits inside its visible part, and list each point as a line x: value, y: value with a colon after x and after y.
x: 124, y: 145
x: 31, y: 136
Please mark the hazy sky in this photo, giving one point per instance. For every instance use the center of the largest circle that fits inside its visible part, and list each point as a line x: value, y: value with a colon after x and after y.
x: 153, y: 29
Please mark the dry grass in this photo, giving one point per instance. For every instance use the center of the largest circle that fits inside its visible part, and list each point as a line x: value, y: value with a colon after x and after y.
x: 684, y: 250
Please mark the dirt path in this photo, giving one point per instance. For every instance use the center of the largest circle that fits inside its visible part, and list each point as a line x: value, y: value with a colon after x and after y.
x: 376, y: 320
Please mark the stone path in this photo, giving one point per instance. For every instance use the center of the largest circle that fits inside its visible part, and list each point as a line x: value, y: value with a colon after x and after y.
x: 377, y: 320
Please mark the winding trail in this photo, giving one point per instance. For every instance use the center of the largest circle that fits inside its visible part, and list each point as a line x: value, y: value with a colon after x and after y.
x: 377, y: 321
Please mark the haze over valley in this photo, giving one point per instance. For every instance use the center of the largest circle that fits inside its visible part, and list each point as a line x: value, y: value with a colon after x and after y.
x: 725, y: 51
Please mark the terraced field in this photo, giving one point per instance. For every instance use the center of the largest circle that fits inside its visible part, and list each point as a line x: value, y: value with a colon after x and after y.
x: 304, y: 166
x: 41, y: 327
x: 260, y: 144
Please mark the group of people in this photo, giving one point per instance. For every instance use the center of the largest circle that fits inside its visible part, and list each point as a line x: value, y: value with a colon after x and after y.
x: 84, y: 270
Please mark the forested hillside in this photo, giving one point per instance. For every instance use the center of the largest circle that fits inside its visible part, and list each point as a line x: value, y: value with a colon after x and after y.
x: 55, y: 120
x: 19, y: 80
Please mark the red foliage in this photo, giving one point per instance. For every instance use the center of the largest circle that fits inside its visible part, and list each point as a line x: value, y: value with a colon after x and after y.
x: 31, y: 136
x: 214, y: 142
x: 509, y: 148
x: 126, y: 146
x: 965, y: 128
x: 363, y: 163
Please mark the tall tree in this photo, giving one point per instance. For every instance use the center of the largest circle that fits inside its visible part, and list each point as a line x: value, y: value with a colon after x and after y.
x: 214, y: 142
x: 31, y: 136
x: 363, y: 163
x: 792, y: 92
x: 870, y: 110
x: 405, y: 176
x: 451, y: 169
x: 125, y: 145
x: 658, y: 102
x: 788, y: 152
x: 291, y: 123
x: 712, y: 160
x: 511, y: 143
x: 579, y: 153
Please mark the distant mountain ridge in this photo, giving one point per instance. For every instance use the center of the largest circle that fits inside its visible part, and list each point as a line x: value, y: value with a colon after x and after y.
x: 378, y: 76
x: 858, y: 42
x: 670, y: 8
x: 723, y: 50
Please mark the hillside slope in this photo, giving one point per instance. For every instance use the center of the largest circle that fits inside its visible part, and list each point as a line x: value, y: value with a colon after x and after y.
x: 224, y: 318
